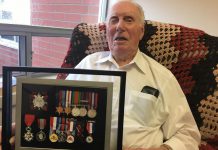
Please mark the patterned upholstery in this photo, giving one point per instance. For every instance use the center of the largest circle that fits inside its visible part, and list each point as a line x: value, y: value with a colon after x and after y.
x: 191, y: 54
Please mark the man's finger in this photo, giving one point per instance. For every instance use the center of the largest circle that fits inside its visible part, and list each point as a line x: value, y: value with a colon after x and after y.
x: 12, y: 140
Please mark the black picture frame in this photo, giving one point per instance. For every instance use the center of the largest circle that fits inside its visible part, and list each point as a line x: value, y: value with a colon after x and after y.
x: 7, y: 96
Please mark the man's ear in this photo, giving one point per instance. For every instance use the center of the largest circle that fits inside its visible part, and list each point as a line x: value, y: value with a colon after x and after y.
x: 142, y: 31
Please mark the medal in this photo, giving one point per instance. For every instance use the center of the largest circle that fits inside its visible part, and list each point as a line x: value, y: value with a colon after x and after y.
x: 39, y: 101
x: 82, y: 111
x: 67, y: 109
x: 75, y: 110
x: 62, y: 136
x: 28, y: 136
x: 59, y: 109
x: 92, y: 112
x: 90, y: 130
x: 70, y: 137
x: 80, y: 130
x: 40, y: 136
x: 89, y: 139
x: 53, y: 123
x: 53, y: 137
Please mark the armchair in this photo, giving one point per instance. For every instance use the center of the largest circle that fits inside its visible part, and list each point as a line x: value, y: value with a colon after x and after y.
x: 191, y: 55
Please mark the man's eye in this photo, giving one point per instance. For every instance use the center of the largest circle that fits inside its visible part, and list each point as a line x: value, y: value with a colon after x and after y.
x: 113, y: 20
x: 129, y: 20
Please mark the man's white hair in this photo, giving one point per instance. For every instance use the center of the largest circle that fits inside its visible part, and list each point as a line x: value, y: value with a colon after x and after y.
x: 141, y: 11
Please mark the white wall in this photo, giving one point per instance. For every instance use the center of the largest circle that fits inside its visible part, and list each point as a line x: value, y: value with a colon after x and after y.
x: 200, y: 14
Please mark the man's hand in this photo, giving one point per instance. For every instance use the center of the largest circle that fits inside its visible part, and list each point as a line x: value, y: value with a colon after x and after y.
x: 12, y: 139
x: 160, y: 148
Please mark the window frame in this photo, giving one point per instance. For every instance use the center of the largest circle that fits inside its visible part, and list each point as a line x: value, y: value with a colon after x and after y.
x: 25, y: 34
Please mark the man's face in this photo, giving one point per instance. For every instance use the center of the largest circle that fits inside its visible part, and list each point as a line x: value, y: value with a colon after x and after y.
x: 124, y: 30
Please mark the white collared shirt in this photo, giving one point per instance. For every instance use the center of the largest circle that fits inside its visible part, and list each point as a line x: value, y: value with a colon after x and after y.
x: 148, y: 121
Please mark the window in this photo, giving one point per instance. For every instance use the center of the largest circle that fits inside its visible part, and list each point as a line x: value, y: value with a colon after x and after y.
x: 25, y: 29
x: 9, y: 41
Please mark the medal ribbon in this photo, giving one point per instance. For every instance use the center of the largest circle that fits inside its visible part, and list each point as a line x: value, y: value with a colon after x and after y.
x: 41, y: 123
x: 28, y: 119
x: 63, y: 99
x: 93, y: 100
x: 53, y: 122
x: 72, y: 97
x: 69, y: 97
x: 79, y: 129
x: 66, y: 100
x: 89, y: 99
x: 90, y: 127
x: 62, y: 124
x: 60, y: 98
x: 76, y: 97
x: 96, y: 101
x: 71, y: 126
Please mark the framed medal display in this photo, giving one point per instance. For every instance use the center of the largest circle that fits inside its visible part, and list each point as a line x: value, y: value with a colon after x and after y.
x: 67, y: 114
x: 63, y: 114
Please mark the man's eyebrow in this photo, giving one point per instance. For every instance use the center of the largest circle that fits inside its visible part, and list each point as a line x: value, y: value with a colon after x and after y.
x: 112, y: 17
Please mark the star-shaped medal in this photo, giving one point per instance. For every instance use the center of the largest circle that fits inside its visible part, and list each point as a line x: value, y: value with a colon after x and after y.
x: 59, y: 109
x: 38, y: 101
x: 67, y: 110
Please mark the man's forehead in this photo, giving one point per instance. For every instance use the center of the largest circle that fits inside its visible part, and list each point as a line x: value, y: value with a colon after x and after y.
x: 122, y: 14
x: 123, y: 9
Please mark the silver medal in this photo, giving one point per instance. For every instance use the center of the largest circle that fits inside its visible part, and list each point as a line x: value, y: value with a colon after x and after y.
x: 83, y: 111
x: 40, y: 136
x: 89, y: 139
x: 28, y: 136
x: 92, y: 113
x: 38, y: 101
x: 75, y: 112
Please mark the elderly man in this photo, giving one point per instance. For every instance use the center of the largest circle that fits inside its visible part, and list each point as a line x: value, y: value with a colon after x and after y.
x: 161, y: 122
x: 164, y: 122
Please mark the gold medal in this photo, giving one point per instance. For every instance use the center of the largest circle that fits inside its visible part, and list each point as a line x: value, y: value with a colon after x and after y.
x: 53, y: 137
x: 59, y: 109
x: 67, y: 110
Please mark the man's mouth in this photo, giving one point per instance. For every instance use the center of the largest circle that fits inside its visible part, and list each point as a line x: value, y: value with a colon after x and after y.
x: 120, y: 38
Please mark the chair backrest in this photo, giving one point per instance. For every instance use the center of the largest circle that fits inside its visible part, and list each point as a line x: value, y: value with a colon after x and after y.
x: 191, y: 55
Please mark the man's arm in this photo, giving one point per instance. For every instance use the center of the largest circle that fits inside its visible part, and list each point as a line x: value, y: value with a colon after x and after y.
x: 180, y: 129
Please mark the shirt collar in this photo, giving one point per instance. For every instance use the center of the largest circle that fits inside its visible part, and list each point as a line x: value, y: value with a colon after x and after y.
x: 138, y: 60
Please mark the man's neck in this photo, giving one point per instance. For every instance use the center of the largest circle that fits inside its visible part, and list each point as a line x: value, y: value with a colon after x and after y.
x: 122, y: 61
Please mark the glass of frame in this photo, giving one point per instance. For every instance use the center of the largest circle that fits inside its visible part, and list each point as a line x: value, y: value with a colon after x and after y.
x: 63, y: 115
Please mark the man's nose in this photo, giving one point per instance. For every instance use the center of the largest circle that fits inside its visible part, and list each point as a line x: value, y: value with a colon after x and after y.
x: 120, y: 26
